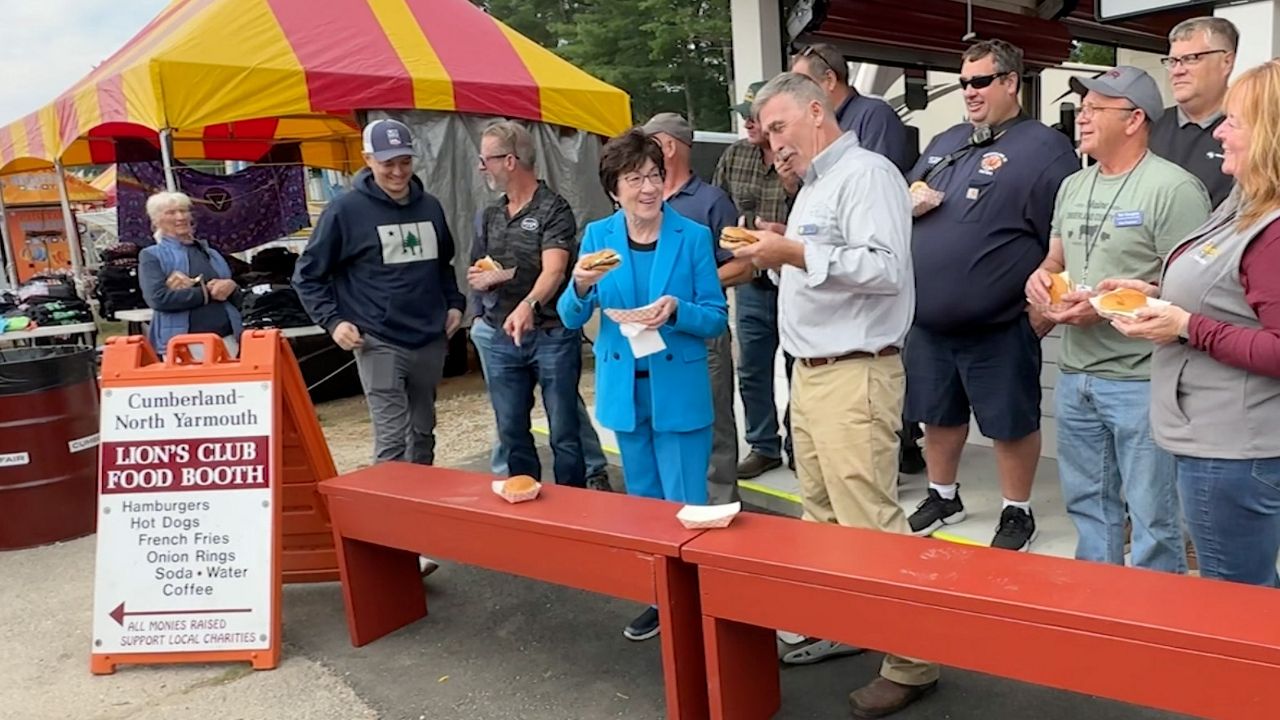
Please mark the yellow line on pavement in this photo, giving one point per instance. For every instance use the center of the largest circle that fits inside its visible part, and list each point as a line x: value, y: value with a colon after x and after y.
x: 793, y: 498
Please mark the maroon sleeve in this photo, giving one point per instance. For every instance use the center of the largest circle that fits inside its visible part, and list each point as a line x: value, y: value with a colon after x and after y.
x: 1256, y: 350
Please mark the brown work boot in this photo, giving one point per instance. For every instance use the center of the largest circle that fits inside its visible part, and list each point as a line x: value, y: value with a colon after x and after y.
x: 882, y: 697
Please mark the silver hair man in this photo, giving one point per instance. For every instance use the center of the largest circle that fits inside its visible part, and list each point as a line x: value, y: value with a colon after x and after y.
x: 513, y: 138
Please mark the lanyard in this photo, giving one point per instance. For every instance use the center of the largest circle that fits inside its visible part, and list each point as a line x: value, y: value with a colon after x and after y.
x: 1091, y: 239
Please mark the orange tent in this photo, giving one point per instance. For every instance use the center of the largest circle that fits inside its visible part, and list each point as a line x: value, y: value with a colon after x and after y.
x: 230, y: 78
x: 41, y: 188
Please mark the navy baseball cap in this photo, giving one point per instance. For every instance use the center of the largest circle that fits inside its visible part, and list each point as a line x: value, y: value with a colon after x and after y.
x: 387, y: 139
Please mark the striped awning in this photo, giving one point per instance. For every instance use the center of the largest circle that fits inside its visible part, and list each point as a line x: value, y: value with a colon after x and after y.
x: 233, y: 77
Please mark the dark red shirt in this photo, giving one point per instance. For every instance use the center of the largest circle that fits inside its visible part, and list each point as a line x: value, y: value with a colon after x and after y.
x: 1256, y: 350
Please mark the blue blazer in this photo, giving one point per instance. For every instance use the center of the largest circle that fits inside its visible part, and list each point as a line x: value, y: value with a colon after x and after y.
x: 684, y: 268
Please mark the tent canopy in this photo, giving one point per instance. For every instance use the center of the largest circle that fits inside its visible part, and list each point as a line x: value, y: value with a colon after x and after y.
x: 231, y: 78
x: 41, y: 188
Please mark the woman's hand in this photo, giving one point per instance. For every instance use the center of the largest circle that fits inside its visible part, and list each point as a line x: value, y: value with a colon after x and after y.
x: 220, y: 289
x: 584, y: 280
x: 1141, y: 286
x: 666, y: 306
x: 1160, y: 325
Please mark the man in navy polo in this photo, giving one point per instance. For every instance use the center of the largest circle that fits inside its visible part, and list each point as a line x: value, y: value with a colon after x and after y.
x: 973, y: 344
x: 878, y: 127
x: 688, y: 195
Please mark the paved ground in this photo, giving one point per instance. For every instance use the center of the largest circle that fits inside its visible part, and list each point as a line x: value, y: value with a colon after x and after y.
x: 495, y: 647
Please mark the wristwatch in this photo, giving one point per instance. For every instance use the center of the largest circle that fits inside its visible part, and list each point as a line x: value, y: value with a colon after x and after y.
x: 533, y: 304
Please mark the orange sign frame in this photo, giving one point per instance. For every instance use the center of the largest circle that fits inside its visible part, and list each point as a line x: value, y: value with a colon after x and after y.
x: 302, y: 546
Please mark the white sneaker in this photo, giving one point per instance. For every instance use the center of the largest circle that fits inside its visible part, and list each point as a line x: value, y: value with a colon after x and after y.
x: 426, y: 565
x: 790, y: 638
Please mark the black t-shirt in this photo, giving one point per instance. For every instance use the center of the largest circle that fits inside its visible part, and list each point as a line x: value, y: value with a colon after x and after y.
x: 1193, y: 148
x: 973, y: 253
x: 545, y: 223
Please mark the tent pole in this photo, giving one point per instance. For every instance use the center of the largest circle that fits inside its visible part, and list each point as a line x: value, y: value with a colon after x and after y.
x: 10, y: 270
x: 166, y: 155
x: 69, y: 220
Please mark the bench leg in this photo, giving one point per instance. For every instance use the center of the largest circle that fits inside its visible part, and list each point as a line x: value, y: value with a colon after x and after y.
x: 742, y: 670
x: 679, y: 610
x: 382, y: 589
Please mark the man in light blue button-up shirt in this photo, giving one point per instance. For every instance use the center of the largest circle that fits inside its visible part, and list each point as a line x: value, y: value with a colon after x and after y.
x: 846, y: 297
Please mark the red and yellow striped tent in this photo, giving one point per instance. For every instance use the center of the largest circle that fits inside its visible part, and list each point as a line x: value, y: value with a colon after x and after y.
x: 231, y: 78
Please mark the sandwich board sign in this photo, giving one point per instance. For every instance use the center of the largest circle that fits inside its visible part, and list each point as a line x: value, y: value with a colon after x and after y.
x: 190, y: 490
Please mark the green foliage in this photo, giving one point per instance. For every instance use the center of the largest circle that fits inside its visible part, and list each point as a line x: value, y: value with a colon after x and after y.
x: 1091, y: 54
x: 669, y: 55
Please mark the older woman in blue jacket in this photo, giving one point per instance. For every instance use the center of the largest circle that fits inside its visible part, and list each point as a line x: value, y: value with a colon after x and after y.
x: 659, y: 405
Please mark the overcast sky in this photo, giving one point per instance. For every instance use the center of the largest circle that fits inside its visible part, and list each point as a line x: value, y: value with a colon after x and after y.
x: 47, y: 45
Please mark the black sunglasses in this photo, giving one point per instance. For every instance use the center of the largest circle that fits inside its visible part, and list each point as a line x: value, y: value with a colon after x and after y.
x: 981, y: 81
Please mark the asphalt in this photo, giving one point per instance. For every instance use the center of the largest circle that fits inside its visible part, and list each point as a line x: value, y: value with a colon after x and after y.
x: 500, y: 647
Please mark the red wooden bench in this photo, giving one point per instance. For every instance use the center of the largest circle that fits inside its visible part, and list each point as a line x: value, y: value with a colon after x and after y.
x: 1184, y: 644
x: 385, y: 516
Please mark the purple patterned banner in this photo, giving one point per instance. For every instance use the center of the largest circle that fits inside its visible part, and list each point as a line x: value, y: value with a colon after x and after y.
x: 231, y: 212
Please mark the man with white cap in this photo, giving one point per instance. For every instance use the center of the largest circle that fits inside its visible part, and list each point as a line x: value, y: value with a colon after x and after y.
x: 1119, y: 218
x: 378, y: 275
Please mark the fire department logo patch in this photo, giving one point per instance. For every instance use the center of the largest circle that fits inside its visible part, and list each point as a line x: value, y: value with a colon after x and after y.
x: 991, y: 162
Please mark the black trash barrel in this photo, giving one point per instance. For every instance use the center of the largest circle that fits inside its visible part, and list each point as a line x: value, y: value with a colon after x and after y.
x: 48, y: 444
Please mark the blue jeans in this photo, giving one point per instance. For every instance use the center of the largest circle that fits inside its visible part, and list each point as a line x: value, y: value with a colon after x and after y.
x: 551, y: 358
x: 1233, y: 512
x: 757, y: 327
x: 597, y: 464
x: 1106, y: 457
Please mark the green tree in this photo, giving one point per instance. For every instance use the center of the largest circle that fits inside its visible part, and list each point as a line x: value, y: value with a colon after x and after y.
x: 1093, y: 54
x: 668, y: 55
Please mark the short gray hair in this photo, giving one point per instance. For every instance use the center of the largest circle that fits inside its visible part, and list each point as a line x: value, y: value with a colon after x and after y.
x: 515, y: 139
x: 800, y: 87
x: 1212, y: 27
x: 1006, y: 55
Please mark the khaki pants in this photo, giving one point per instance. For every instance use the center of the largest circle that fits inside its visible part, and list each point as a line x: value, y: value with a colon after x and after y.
x: 845, y: 419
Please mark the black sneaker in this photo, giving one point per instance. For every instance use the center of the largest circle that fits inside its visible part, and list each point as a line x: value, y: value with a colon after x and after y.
x: 1016, y: 530
x: 754, y: 465
x: 599, y: 481
x: 643, y: 627
x: 935, y: 511
x: 911, y: 459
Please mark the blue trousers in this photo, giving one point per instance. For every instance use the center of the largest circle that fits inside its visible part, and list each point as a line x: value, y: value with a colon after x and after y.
x: 1233, y: 513
x: 482, y: 335
x: 664, y: 465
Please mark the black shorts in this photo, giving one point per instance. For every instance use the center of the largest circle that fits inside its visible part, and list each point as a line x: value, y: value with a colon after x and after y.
x: 995, y: 371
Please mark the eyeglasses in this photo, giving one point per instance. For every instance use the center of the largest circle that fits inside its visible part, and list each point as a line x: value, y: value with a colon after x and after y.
x: 811, y: 51
x: 1086, y: 111
x: 484, y: 159
x: 636, y: 181
x: 980, y: 81
x: 1188, y: 60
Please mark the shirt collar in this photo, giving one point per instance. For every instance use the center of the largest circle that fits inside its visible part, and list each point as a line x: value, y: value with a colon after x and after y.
x: 844, y: 106
x: 538, y: 192
x: 1205, y: 124
x: 692, y: 186
x: 829, y: 157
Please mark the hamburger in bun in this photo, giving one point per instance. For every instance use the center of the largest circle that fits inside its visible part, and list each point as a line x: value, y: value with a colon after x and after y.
x: 1060, y: 285
x: 1124, y: 300
x: 519, y: 484
x: 606, y: 260
x: 919, y: 185
x: 487, y: 263
x: 732, y: 238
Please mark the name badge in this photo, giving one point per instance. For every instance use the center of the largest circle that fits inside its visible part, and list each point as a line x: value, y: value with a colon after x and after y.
x: 809, y: 229
x: 1127, y: 218
x: 1206, y: 253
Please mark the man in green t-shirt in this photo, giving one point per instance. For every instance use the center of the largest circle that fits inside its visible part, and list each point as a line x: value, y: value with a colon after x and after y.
x: 1118, y: 218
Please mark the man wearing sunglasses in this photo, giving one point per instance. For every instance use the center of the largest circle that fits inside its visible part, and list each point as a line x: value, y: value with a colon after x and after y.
x: 973, y: 346
x: 1202, y: 55
x: 878, y: 127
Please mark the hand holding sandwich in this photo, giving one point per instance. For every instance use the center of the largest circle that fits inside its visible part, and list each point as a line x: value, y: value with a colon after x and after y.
x: 772, y: 249
x: 591, y: 267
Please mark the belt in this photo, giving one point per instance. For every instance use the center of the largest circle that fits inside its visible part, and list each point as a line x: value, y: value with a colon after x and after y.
x: 642, y: 374
x: 855, y: 355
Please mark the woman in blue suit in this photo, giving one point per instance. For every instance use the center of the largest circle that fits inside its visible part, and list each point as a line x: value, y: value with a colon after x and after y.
x: 659, y: 405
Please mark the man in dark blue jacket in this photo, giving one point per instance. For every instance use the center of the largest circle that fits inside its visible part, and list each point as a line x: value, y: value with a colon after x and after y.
x: 378, y: 276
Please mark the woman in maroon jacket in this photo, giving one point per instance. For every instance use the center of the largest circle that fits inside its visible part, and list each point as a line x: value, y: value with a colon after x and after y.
x: 1216, y: 369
